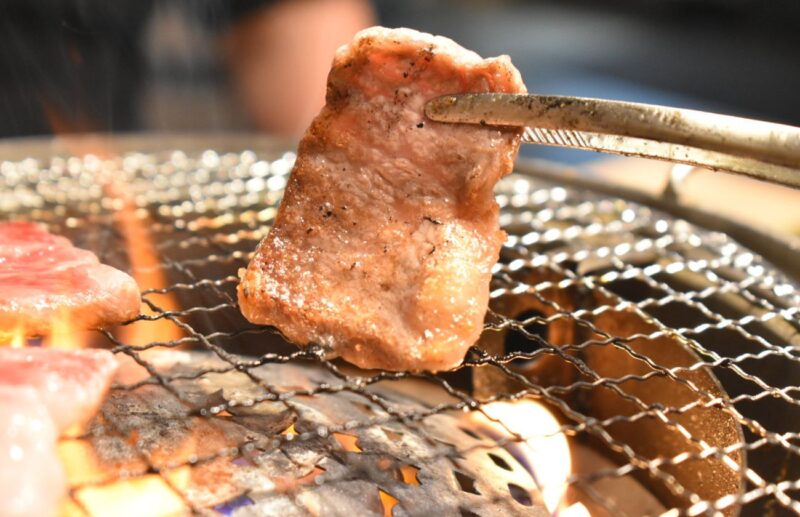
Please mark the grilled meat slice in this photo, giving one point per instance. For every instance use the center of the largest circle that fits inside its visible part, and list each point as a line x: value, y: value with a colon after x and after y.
x: 44, y: 277
x: 70, y: 383
x: 383, y: 245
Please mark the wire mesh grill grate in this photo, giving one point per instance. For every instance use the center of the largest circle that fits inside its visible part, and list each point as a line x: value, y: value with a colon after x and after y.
x: 669, y: 350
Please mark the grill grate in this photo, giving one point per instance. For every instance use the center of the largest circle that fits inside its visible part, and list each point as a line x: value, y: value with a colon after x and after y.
x: 669, y: 350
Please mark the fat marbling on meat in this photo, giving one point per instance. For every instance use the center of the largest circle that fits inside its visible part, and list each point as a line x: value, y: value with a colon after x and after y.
x: 383, y: 245
x: 70, y: 383
x: 43, y: 391
x: 43, y: 277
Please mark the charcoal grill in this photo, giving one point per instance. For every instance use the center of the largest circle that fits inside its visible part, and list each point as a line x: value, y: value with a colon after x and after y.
x: 663, y: 346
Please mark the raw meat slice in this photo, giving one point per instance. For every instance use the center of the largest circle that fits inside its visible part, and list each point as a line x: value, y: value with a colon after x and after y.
x: 42, y: 392
x: 31, y: 478
x: 383, y: 245
x: 43, y: 277
x: 70, y: 383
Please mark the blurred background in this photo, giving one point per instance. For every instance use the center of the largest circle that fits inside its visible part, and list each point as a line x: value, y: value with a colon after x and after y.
x: 213, y: 65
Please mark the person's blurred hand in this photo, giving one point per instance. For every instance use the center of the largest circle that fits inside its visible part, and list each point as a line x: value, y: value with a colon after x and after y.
x: 279, y: 57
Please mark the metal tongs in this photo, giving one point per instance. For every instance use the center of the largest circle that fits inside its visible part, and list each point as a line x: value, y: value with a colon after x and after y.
x: 754, y: 148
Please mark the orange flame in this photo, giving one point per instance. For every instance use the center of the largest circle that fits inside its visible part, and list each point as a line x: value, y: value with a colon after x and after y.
x: 146, y: 268
x: 149, y: 494
x: 134, y: 225
x: 65, y: 335
x: 62, y: 334
x: 17, y: 338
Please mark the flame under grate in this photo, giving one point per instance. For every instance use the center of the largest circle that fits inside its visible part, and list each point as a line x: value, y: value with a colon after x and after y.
x: 666, y: 349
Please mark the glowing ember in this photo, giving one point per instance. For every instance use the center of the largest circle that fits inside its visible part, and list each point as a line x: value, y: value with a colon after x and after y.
x: 347, y: 441
x: 83, y: 468
x: 409, y: 474
x: 147, y: 495
x: 543, y: 451
x: 388, y: 501
x: 290, y: 431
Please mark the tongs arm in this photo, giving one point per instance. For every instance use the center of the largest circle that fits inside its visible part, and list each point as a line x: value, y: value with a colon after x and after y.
x: 758, y: 149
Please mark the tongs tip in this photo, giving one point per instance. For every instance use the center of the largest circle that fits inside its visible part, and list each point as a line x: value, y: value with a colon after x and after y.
x: 436, y: 109
x: 720, y: 142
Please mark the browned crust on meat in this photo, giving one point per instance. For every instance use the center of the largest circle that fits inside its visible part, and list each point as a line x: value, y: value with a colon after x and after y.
x: 383, y: 245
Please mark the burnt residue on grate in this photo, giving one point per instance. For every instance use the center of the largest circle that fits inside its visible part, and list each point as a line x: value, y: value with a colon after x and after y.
x: 667, y: 354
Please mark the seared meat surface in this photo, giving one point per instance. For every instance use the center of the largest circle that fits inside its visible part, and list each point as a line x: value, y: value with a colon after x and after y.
x: 383, y: 245
x: 43, y: 277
